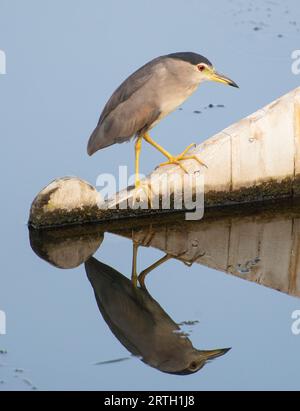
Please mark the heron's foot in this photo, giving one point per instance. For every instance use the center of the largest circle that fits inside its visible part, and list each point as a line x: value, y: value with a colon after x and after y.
x: 140, y: 187
x: 183, y: 156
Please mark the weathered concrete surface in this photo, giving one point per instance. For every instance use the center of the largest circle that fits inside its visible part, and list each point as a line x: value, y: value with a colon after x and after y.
x: 262, y: 247
x: 67, y: 200
x: 256, y: 159
x: 255, y: 244
x: 66, y: 248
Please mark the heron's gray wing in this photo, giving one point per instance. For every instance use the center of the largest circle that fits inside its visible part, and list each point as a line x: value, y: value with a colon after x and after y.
x: 130, y: 110
x: 134, y: 116
x: 133, y: 83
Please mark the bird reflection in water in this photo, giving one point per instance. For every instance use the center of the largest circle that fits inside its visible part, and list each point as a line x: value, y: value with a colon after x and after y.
x: 133, y: 316
x: 141, y: 324
x: 258, y: 244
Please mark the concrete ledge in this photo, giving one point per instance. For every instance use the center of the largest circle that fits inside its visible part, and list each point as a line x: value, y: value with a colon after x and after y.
x: 258, y: 244
x: 256, y: 159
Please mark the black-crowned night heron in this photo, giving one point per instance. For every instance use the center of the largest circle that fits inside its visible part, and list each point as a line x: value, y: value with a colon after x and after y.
x: 141, y: 324
x: 146, y: 97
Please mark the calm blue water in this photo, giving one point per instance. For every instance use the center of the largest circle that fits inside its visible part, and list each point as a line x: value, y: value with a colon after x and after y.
x: 64, y: 59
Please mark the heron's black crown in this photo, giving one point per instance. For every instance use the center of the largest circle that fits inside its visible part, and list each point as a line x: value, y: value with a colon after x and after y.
x: 190, y: 57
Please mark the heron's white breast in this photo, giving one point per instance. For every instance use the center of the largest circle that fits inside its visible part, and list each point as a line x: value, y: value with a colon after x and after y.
x: 173, y: 100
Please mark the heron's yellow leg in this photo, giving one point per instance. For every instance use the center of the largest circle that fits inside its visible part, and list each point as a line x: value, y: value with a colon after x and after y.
x: 138, y: 183
x: 138, y: 147
x: 141, y: 278
x: 174, y: 159
x: 134, y: 276
x: 152, y: 267
x: 157, y: 146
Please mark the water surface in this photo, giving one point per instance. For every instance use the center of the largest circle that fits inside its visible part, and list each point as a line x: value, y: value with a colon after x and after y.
x: 63, y: 62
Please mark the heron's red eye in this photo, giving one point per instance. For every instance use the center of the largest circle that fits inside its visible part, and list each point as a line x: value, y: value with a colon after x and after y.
x: 193, y: 365
x: 201, y: 67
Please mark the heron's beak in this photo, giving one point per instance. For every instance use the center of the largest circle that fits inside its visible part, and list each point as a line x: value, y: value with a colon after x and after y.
x: 212, y: 354
x: 220, y: 78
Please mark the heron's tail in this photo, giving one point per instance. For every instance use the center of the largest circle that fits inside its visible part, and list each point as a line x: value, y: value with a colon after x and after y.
x: 100, y: 139
x: 97, y: 141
